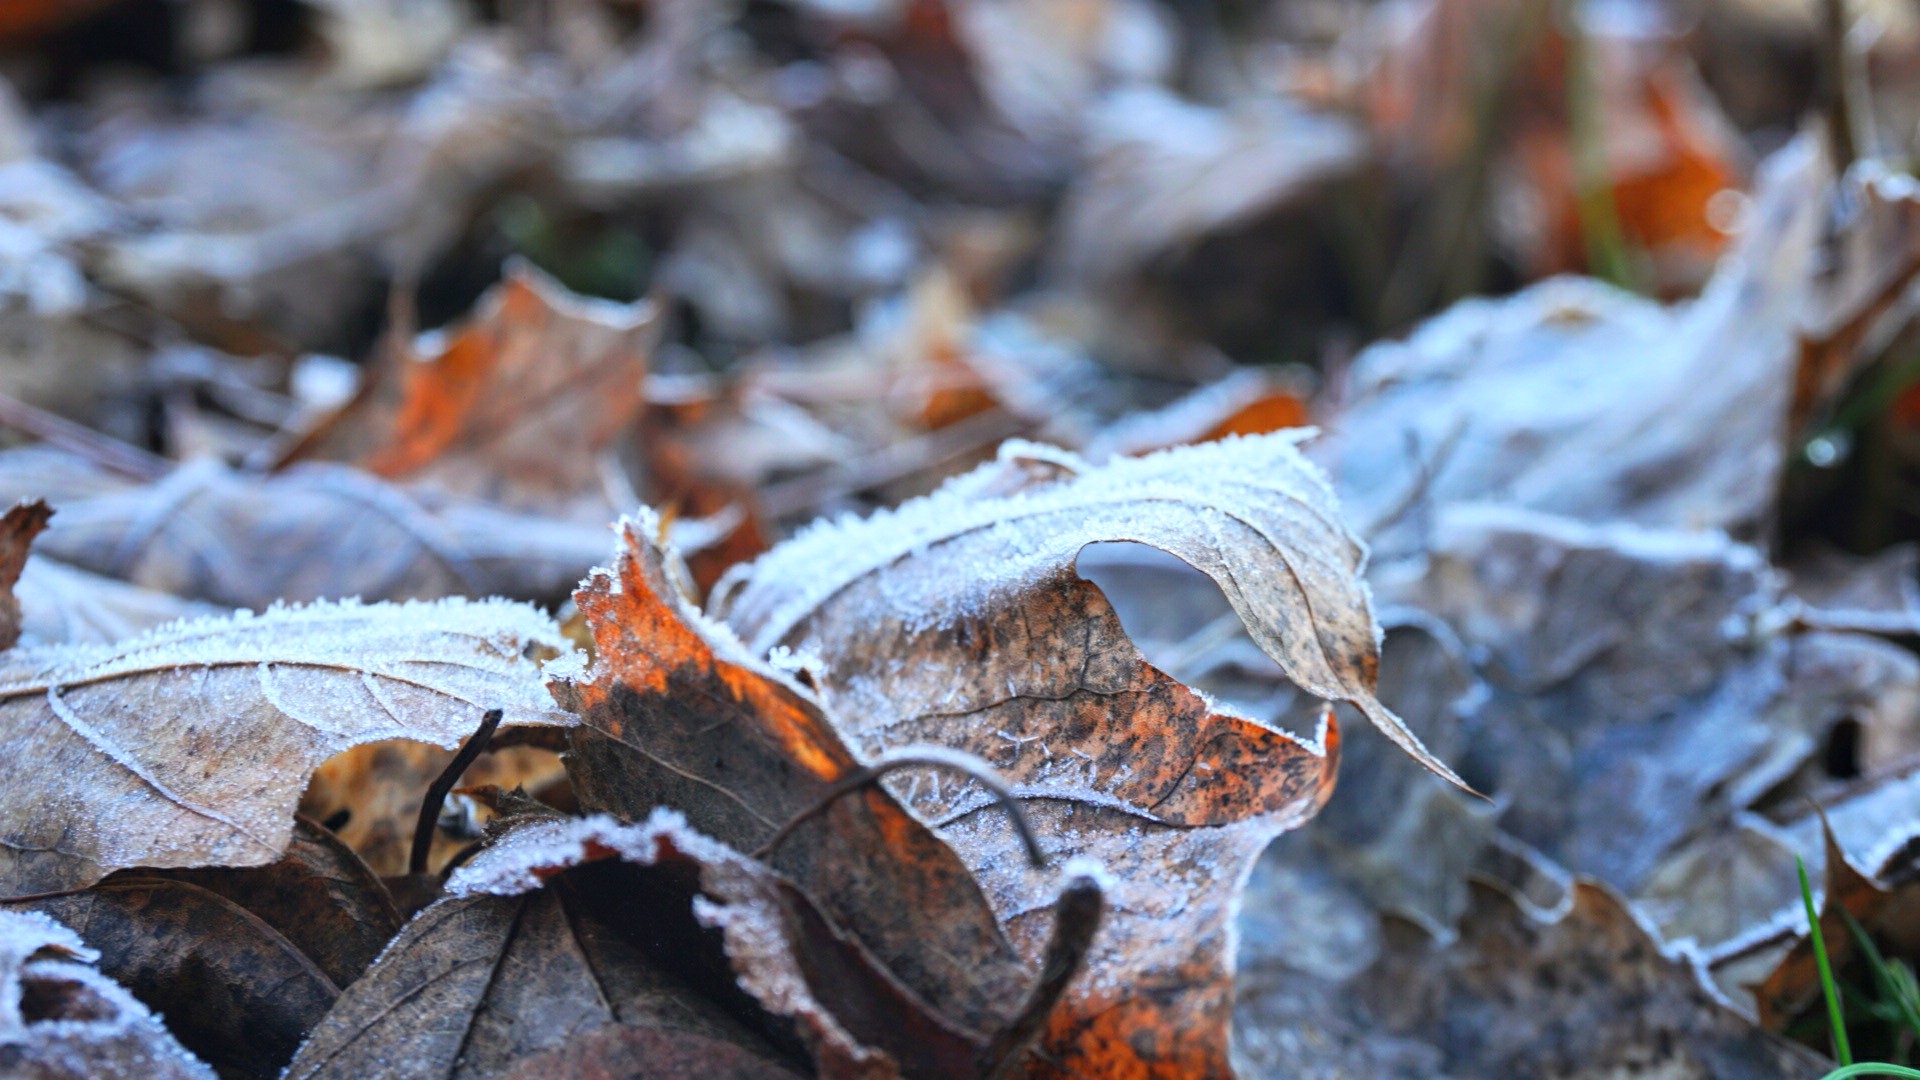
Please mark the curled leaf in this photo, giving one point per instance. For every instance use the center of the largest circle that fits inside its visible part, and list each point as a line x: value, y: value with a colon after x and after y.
x: 189, y: 745
x: 60, y: 1018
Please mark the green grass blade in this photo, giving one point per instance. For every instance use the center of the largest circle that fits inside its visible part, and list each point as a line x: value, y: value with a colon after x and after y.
x: 1842, y: 1051
x: 1872, y: 1069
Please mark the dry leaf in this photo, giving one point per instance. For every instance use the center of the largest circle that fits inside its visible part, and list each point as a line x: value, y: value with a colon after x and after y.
x: 1584, y: 993
x: 959, y: 620
x: 541, y: 957
x: 235, y: 992
x: 677, y: 713
x: 60, y: 1019
x: 189, y: 745
x: 1250, y: 401
x: 1575, y: 398
x: 314, y: 532
x: 319, y: 896
x: 515, y: 406
x: 903, y: 608
x: 23, y: 522
x: 60, y: 605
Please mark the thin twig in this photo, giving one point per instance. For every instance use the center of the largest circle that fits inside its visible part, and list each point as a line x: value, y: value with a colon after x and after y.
x: 937, y: 757
x: 437, y: 792
x: 103, y: 450
x: 1842, y: 140
x: 1076, y: 916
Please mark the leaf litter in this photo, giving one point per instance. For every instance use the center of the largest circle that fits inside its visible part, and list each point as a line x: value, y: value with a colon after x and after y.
x: 971, y: 683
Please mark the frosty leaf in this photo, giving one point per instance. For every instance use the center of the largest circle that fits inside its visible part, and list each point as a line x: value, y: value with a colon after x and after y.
x: 959, y: 620
x: 22, y: 522
x: 676, y: 713
x: 189, y: 745
x: 1584, y: 992
x: 236, y: 992
x: 62, y: 605
x: 313, y: 532
x: 898, y: 606
x: 587, y: 941
x: 515, y: 406
x: 59, y: 1017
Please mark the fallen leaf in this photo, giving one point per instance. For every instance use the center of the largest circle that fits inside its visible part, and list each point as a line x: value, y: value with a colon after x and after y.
x: 1864, y: 294
x: 23, y: 522
x: 1584, y: 992
x: 676, y: 713
x: 319, y: 896
x: 590, y: 943
x: 1166, y: 171
x: 1575, y: 398
x: 230, y: 987
x: 62, y: 1020
x: 313, y: 532
x: 959, y: 620
x: 61, y: 605
x: 933, y: 582
x: 517, y: 405
x: 1248, y: 402
x: 1642, y: 681
x: 135, y: 742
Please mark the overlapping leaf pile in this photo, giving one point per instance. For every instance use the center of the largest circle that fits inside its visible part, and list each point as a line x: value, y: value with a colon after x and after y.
x: 982, y: 624
x: 773, y: 907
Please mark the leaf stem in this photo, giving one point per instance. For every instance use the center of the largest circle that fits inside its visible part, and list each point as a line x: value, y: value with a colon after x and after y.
x: 442, y: 784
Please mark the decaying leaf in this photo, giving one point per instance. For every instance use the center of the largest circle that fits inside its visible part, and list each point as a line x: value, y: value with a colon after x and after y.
x: 677, y: 713
x: 22, y: 522
x: 62, y: 605
x: 1575, y: 398
x: 604, y: 948
x: 62, y: 1020
x: 189, y: 745
x: 959, y: 620
x: 320, y: 896
x: 230, y: 987
x: 1641, y: 680
x: 516, y: 406
x: 313, y: 532
x: 937, y: 583
x: 1586, y: 992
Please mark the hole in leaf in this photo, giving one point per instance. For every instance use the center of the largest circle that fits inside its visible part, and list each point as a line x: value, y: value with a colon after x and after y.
x: 1182, y: 623
x: 1840, y: 757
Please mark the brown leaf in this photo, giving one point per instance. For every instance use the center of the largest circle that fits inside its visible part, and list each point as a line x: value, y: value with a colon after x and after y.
x: 60, y: 1019
x: 959, y: 620
x: 233, y: 990
x: 585, y: 942
x: 190, y: 745
x: 22, y: 522
x: 1584, y: 993
x: 1875, y: 257
x: 1794, y: 985
x: 941, y: 605
x: 517, y: 407
x: 676, y: 713
x: 314, y: 532
x: 319, y: 896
